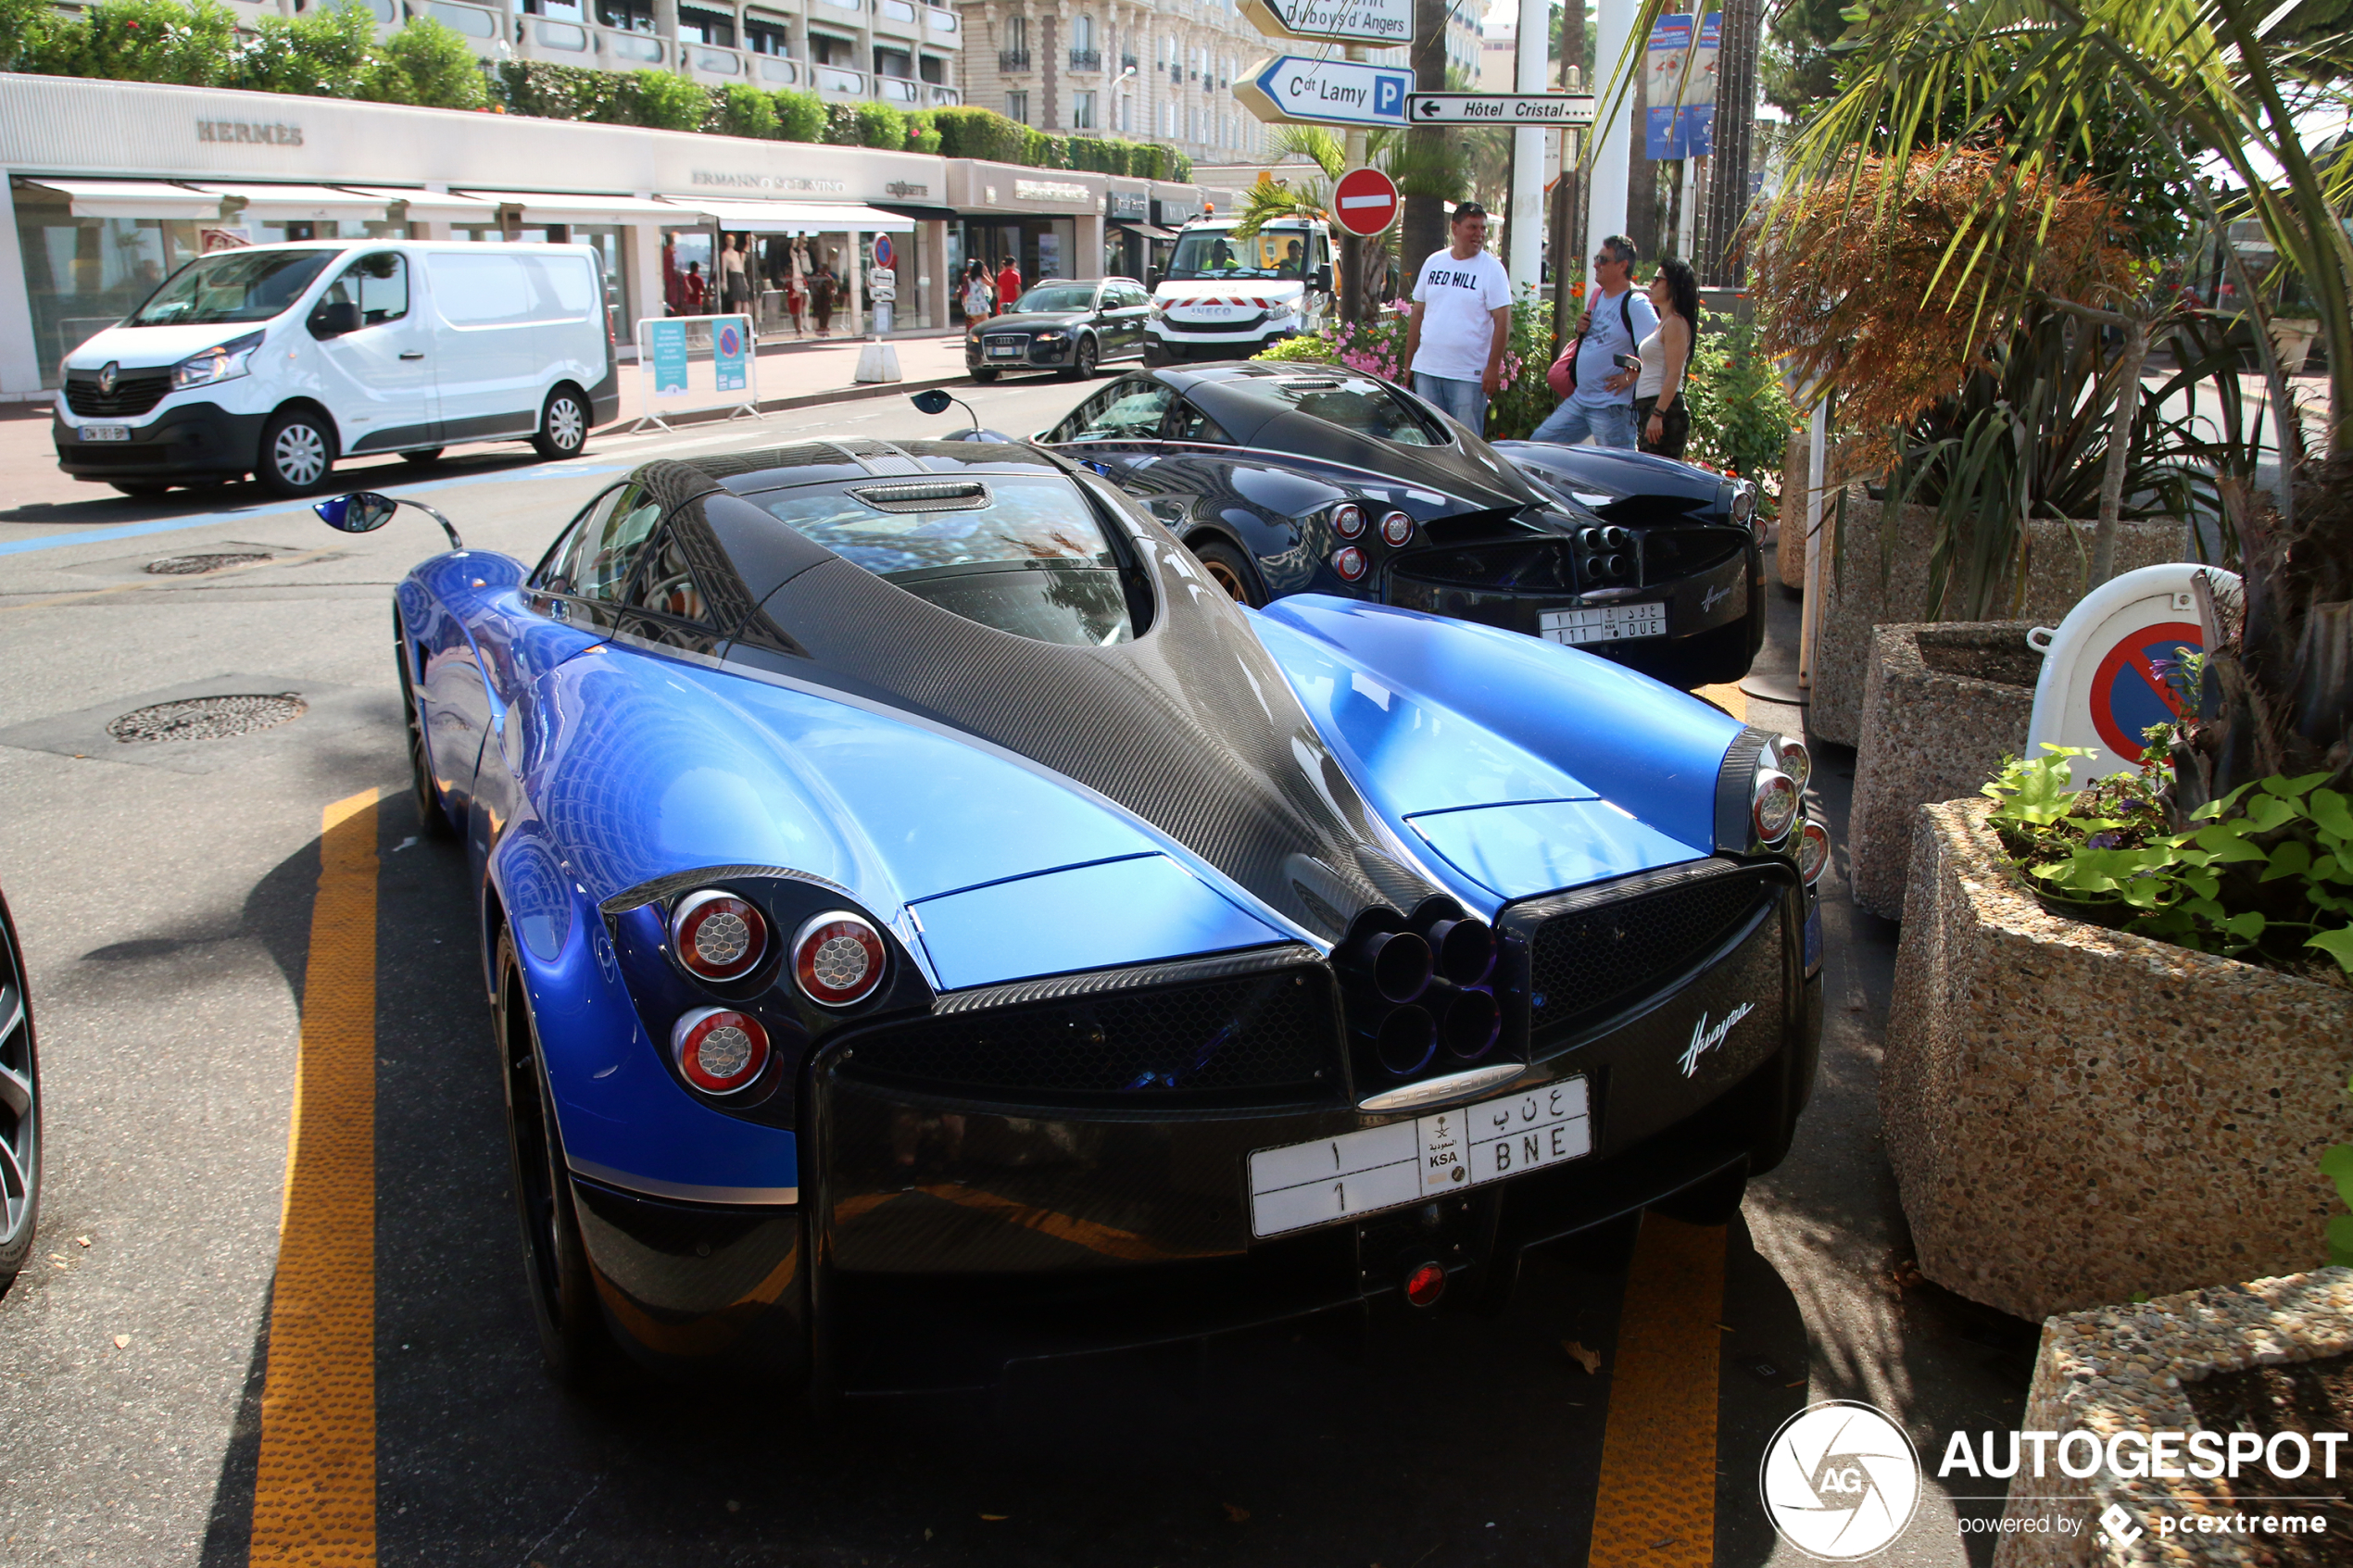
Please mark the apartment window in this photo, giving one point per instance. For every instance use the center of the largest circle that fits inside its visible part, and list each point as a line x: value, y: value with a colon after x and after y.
x: 630, y: 15
x: 1082, y: 111
x: 1126, y: 113
x: 1017, y: 108
x: 831, y: 51
x: 934, y: 70
x: 766, y: 34
x: 894, y: 62
x: 1017, y: 34
x: 1082, y: 35
x: 706, y: 27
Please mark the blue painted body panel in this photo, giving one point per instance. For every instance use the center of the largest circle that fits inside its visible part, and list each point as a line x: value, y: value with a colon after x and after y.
x: 1537, y: 846
x: 1088, y: 917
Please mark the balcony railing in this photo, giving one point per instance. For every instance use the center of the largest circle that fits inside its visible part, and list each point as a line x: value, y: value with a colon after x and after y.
x: 834, y: 78
x: 897, y: 90
x: 1012, y: 60
x: 1086, y: 59
x: 940, y: 21
x: 1177, y: 74
x: 775, y: 69
x: 946, y: 97
x: 1128, y: 62
x: 898, y: 12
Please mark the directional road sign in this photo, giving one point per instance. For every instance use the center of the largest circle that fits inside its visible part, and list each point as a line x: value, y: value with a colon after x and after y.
x: 1502, y: 109
x: 1365, y: 200
x: 1305, y: 92
x: 1346, y: 21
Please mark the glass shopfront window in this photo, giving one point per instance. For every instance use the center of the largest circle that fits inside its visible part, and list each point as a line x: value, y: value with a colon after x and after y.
x: 84, y: 274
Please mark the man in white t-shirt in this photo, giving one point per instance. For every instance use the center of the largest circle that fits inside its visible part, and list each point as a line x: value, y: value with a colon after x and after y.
x: 1462, y: 323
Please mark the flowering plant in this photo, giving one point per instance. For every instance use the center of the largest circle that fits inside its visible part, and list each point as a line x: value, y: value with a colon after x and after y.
x: 1377, y: 348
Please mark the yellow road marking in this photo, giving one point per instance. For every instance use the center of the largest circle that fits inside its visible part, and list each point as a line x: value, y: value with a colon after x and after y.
x: 314, y: 1497
x: 167, y: 582
x: 1731, y: 699
x: 1656, y: 1505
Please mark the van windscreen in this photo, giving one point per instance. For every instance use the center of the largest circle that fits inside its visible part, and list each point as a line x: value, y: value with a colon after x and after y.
x: 242, y: 285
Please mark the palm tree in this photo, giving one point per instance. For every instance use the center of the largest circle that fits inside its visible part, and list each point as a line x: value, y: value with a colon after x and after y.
x: 1435, y: 170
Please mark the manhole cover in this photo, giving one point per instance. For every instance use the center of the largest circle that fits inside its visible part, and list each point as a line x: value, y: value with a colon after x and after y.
x: 206, y: 718
x: 195, y: 566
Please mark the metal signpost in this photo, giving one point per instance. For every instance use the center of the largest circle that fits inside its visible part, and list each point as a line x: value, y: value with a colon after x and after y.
x: 1537, y: 110
x: 878, y: 360
x: 1305, y: 92
x: 667, y: 347
x: 1384, y: 22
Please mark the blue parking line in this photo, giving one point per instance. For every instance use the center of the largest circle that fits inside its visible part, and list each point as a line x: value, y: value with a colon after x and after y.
x: 174, y: 525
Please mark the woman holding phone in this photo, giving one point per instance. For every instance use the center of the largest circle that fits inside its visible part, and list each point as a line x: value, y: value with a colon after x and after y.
x: 1662, y: 423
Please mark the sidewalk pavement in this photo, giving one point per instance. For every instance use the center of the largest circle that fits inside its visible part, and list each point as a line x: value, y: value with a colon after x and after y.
x: 795, y: 375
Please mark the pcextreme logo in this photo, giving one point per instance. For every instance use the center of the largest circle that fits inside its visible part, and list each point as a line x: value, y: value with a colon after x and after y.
x: 1839, y: 1480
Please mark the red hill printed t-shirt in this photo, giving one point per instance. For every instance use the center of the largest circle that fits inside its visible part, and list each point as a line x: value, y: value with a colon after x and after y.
x: 1456, y: 298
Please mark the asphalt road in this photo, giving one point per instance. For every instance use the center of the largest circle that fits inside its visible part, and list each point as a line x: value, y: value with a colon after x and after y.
x: 165, y: 895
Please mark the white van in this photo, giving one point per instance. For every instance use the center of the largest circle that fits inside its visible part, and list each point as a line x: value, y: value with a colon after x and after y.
x: 1224, y: 297
x: 274, y: 360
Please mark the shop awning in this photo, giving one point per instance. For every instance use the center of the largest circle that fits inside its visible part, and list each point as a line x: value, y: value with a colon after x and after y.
x: 299, y: 203
x: 434, y: 207
x: 134, y: 198
x: 561, y: 206
x: 1149, y: 231
x: 797, y: 218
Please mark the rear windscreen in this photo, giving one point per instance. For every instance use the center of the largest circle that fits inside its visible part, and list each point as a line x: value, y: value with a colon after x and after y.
x: 1024, y: 554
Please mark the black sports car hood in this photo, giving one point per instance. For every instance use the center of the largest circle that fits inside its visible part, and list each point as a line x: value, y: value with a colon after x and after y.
x: 1193, y: 726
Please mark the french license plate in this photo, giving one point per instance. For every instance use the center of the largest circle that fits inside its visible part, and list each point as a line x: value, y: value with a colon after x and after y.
x: 105, y: 432
x: 1004, y: 351
x: 1603, y: 623
x: 1313, y: 1184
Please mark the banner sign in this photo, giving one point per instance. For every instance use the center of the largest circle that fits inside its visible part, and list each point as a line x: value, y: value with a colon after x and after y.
x: 669, y: 358
x: 1678, y: 78
x: 728, y: 345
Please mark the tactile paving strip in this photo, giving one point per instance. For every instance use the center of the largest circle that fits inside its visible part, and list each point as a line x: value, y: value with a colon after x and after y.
x: 314, y: 1499
x: 1656, y: 1505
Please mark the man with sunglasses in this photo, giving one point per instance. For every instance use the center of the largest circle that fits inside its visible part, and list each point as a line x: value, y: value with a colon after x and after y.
x: 1616, y: 319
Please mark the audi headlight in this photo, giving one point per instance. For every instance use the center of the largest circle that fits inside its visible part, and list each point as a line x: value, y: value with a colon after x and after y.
x: 1052, y: 337
x: 224, y: 363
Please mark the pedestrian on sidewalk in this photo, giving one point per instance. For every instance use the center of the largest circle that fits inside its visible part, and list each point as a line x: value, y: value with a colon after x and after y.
x: 979, y: 298
x: 1662, y: 420
x: 822, y: 285
x: 1599, y: 400
x: 797, y: 289
x: 1008, y: 286
x: 735, y: 282
x: 1460, y: 324
x: 693, y: 291
x: 673, y: 290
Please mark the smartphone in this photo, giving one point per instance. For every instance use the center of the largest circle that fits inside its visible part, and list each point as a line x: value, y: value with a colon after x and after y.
x: 1629, y: 361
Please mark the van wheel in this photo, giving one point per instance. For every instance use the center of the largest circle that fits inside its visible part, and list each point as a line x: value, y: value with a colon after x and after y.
x: 298, y: 450
x: 984, y: 377
x: 1155, y: 356
x: 563, y: 424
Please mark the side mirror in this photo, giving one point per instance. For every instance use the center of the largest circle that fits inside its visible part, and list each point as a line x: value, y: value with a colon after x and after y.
x: 1320, y: 280
x: 931, y: 402
x: 1154, y: 280
x: 334, y: 318
x: 363, y: 512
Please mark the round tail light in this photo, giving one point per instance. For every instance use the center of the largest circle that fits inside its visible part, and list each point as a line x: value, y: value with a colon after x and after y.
x: 1350, y: 562
x: 1813, y: 851
x: 838, y: 959
x: 1772, y: 806
x: 1397, y: 530
x: 718, y: 935
x: 1425, y: 1283
x: 1794, y: 760
x: 1348, y: 521
x: 1406, y: 1041
x: 719, y: 1051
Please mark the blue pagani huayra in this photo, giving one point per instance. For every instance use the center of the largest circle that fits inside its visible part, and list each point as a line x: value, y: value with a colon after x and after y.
x: 930, y: 925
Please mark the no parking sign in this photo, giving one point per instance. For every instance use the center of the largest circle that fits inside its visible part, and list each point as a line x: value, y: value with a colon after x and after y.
x: 2109, y: 671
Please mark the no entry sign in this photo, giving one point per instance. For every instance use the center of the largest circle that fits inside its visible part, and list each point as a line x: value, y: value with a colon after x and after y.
x: 1364, y: 202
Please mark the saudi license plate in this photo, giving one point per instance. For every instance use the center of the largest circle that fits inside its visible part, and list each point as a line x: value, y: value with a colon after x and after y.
x: 1313, y: 1184
x: 1004, y: 351
x: 1603, y: 623
x: 105, y: 432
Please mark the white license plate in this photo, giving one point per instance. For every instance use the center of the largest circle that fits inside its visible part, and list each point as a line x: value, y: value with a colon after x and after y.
x: 1004, y: 351
x: 1603, y: 623
x: 105, y: 432
x: 1313, y: 1184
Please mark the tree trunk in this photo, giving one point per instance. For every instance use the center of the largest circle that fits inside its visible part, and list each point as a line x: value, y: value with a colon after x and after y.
x: 2119, y: 443
x: 1716, y: 237
x: 1422, y: 228
x: 1641, y: 174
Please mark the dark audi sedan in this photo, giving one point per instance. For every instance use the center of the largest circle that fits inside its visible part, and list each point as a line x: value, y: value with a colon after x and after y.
x: 1062, y: 326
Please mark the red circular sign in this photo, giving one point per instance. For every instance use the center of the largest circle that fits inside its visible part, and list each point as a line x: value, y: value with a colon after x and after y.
x: 2130, y: 692
x: 1364, y: 202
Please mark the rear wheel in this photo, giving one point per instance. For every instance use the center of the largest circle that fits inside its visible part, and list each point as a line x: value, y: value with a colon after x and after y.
x: 563, y: 424
x: 572, y: 1339
x: 1082, y: 366
x: 983, y: 376
x: 432, y: 821
x: 297, y: 451
x: 19, y: 1109
x: 1230, y: 571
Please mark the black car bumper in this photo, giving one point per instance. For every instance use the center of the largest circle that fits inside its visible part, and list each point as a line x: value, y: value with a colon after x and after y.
x: 1035, y: 356
x: 943, y: 1238
x: 194, y: 441
x: 1716, y: 596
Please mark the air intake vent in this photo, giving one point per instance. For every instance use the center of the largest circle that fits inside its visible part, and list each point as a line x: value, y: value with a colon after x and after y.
x: 1591, y: 962
x: 938, y: 495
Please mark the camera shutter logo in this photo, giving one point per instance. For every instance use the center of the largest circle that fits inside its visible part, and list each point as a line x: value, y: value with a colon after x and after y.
x: 1839, y: 1480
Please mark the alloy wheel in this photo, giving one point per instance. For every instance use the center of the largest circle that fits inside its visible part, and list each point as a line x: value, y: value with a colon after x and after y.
x: 566, y: 423
x: 19, y: 1104
x: 1226, y: 577
x: 299, y: 454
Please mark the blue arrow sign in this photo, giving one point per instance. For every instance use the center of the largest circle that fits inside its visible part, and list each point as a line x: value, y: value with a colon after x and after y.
x: 1309, y: 92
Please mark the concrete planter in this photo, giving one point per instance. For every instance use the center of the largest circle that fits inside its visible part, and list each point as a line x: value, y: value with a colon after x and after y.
x: 2139, y: 1369
x: 2075, y: 1114
x: 1855, y: 601
x: 1943, y: 705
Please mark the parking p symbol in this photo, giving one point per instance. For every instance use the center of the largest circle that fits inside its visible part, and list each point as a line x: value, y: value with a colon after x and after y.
x: 1388, y: 96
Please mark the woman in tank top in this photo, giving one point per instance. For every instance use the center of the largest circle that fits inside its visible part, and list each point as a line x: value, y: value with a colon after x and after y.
x: 1662, y: 423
